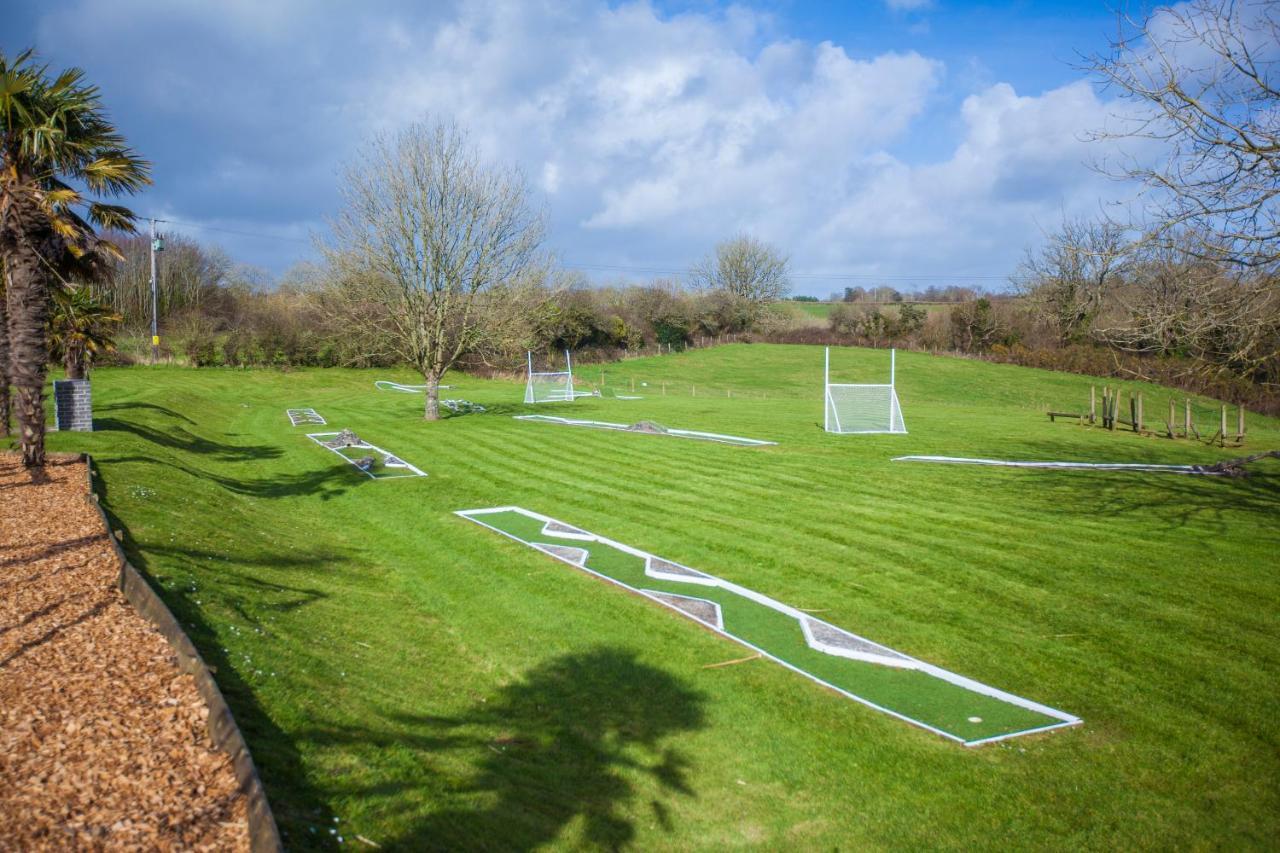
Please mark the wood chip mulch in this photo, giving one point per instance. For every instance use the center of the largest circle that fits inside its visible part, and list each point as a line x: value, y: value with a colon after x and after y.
x: 103, y: 740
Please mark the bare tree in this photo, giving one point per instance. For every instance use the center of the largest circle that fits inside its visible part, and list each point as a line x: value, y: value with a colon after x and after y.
x: 745, y: 267
x: 427, y: 235
x: 1204, y: 79
x: 1175, y: 302
x: 1067, y: 281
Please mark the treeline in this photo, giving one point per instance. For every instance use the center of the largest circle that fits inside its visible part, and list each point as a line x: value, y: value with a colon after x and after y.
x: 885, y: 294
x: 1078, y: 308
x: 216, y: 313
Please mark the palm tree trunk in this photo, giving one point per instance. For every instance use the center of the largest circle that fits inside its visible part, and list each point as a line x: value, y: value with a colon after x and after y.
x: 27, y: 297
x: 5, y: 417
x: 74, y: 360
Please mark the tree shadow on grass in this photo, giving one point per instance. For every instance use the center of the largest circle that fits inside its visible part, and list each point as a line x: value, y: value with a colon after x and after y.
x: 295, y: 801
x: 180, y: 438
x: 326, y: 482
x: 151, y: 407
x: 558, y: 746
x: 1173, y: 499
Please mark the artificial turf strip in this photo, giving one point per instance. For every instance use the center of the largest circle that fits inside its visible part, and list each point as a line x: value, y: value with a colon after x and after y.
x: 934, y: 699
x: 379, y: 470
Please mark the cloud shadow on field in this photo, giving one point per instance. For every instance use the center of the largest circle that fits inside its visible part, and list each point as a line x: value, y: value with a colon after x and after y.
x: 555, y: 747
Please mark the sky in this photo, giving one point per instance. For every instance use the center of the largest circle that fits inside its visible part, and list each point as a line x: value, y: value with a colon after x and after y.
x: 901, y: 142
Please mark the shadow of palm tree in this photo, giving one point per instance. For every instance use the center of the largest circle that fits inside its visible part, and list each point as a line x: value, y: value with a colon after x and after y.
x: 327, y: 482
x: 180, y: 438
x: 555, y: 747
x: 164, y: 410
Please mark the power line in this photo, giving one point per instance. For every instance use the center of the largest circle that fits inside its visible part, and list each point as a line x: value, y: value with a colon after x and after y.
x: 653, y: 270
x: 261, y: 236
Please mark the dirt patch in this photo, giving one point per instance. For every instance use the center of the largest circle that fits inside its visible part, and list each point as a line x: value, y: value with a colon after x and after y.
x: 103, y: 740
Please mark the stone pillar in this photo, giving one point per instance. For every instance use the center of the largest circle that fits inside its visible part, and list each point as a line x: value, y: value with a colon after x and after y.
x: 73, y: 405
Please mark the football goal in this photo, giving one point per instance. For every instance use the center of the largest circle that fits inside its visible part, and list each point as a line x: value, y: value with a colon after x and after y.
x: 861, y: 408
x: 551, y: 386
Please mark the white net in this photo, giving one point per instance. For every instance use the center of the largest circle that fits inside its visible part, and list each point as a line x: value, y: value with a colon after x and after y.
x: 548, y: 387
x: 863, y: 408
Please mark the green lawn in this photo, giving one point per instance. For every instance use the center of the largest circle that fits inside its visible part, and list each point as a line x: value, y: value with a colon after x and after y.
x: 431, y: 684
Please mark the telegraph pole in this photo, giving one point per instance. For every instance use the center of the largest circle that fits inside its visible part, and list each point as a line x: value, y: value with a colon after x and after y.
x: 155, y: 308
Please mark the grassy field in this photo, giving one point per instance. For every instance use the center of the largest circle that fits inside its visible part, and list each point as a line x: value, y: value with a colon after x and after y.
x: 408, y: 676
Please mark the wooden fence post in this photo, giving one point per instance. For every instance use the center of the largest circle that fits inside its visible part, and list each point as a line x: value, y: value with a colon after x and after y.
x: 1186, y: 417
x: 1240, y: 424
x: 1093, y: 404
x: 1137, y: 421
x: 1223, y: 429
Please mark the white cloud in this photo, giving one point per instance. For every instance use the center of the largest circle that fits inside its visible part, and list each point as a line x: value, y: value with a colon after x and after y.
x: 649, y: 137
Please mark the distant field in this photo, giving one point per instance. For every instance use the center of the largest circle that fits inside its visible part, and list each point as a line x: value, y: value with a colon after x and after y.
x: 406, y: 675
x: 823, y: 309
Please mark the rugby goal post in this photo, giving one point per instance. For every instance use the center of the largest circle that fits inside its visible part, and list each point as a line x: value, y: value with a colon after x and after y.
x: 549, y: 386
x: 862, y: 408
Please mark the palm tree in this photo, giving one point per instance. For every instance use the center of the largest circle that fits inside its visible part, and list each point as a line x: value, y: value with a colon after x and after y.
x: 80, y: 328
x: 52, y: 130
x: 5, y: 419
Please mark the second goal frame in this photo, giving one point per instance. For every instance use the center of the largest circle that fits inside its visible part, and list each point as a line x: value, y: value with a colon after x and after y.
x: 867, y: 408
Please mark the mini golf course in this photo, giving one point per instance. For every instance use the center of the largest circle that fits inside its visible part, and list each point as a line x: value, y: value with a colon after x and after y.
x: 431, y: 685
x: 932, y: 698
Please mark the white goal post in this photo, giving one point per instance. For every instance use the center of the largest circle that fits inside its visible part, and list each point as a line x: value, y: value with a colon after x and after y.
x: 550, y: 386
x: 861, y: 408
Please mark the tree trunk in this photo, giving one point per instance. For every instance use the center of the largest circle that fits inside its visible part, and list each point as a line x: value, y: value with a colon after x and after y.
x: 432, y: 412
x: 74, y: 360
x: 25, y: 235
x: 5, y: 418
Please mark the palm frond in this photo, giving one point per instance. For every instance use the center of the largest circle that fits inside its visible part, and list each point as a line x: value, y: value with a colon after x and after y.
x: 113, y: 217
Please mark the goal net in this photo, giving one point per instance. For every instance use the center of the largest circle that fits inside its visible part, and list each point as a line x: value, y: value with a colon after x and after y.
x: 550, y: 386
x: 862, y: 408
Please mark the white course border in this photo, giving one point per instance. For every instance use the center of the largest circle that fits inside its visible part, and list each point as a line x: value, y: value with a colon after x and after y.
x: 319, y: 438
x: 678, y: 433
x: 310, y: 417
x: 901, y: 660
x: 1088, y: 466
x: 388, y: 385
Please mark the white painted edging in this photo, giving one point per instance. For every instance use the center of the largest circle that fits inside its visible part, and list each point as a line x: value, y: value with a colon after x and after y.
x: 930, y: 669
x: 678, y: 433
x: 304, y: 416
x: 388, y: 385
x: 1094, y: 466
x: 318, y: 438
